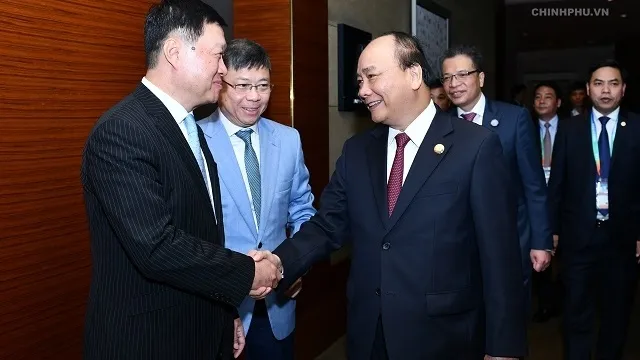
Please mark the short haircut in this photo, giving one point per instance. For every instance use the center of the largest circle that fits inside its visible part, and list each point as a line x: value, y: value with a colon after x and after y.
x: 409, y: 53
x: 435, y: 84
x: 608, y: 63
x: 185, y: 16
x: 246, y: 54
x: 549, y: 84
x: 467, y: 50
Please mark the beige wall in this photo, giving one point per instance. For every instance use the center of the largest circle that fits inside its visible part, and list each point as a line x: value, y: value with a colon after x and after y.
x: 472, y: 22
x: 376, y: 17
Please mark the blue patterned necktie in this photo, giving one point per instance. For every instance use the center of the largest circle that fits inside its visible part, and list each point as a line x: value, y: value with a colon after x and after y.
x: 194, y: 144
x: 253, y: 171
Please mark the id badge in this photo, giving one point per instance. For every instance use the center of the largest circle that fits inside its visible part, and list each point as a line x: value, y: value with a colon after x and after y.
x: 602, y: 195
x: 547, y: 173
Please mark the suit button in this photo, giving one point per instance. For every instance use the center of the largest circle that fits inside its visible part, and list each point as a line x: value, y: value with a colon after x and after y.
x: 386, y: 246
x: 378, y: 291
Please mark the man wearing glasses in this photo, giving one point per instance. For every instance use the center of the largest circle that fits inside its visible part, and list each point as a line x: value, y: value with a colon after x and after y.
x: 264, y: 186
x: 463, y: 79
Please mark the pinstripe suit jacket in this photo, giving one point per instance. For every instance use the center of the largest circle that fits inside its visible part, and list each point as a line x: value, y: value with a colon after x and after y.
x: 163, y: 285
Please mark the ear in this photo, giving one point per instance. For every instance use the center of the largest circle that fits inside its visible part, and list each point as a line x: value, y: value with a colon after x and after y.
x: 171, y: 51
x: 481, y: 78
x: 415, y: 73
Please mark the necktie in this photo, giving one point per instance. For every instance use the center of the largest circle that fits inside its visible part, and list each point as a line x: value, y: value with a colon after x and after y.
x: 252, y: 167
x: 397, y: 172
x: 546, y: 146
x: 604, y: 149
x: 194, y: 144
x: 468, y: 116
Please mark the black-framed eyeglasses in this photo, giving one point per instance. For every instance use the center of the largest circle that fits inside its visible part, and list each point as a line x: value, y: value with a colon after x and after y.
x: 244, y: 88
x: 460, y: 76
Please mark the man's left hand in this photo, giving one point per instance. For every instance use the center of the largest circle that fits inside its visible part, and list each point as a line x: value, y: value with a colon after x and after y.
x: 238, y: 341
x: 540, y: 259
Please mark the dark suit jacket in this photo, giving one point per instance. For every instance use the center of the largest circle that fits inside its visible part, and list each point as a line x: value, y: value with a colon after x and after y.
x: 522, y: 152
x: 573, y: 179
x: 444, y: 270
x: 163, y: 286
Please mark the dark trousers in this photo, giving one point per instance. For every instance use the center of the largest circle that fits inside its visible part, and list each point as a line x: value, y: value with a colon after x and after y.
x: 379, y: 351
x: 260, y: 342
x: 603, y: 273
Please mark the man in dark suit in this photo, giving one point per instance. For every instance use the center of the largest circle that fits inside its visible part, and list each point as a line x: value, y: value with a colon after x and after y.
x: 595, y: 207
x: 163, y: 285
x: 547, y: 99
x: 463, y: 80
x: 435, y: 272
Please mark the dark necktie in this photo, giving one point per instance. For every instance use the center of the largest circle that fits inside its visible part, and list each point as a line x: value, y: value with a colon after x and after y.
x: 468, y: 116
x: 397, y: 172
x: 604, y: 149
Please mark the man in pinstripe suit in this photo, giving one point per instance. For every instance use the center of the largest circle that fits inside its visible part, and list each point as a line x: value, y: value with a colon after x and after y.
x: 163, y: 285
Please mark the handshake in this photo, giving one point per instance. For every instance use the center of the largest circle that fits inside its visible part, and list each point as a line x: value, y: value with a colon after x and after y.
x: 268, y: 274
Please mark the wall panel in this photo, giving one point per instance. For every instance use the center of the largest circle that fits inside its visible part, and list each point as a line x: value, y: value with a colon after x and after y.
x: 63, y: 64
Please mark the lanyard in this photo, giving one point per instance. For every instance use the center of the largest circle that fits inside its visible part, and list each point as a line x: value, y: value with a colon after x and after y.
x: 594, y: 141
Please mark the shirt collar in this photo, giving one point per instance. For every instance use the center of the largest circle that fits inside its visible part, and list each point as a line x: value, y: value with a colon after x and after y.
x: 177, y: 111
x: 418, y: 127
x: 553, y: 122
x: 478, y: 109
x: 232, y: 128
x: 612, y: 117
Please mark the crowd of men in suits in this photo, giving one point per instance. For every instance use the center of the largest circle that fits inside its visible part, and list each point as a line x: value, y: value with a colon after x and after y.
x: 202, y: 231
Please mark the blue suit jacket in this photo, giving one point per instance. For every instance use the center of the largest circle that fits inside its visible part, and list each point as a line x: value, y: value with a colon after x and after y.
x: 443, y: 271
x: 521, y: 149
x: 287, y: 202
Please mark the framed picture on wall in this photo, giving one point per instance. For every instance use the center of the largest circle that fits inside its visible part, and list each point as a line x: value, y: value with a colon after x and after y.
x: 430, y: 24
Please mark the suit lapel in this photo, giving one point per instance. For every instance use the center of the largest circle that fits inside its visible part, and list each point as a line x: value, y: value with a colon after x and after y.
x: 377, y: 161
x: 269, y: 165
x: 167, y: 125
x: 489, y: 115
x: 621, y: 139
x: 229, y: 173
x: 424, y: 164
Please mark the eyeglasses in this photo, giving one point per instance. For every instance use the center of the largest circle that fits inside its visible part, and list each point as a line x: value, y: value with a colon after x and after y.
x: 246, y: 88
x: 460, y: 76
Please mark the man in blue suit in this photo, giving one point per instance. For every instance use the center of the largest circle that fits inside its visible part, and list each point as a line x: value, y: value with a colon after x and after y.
x: 435, y: 267
x: 463, y: 79
x: 264, y: 186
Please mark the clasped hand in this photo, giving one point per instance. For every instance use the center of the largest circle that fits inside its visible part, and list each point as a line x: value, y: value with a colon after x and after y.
x: 268, y: 273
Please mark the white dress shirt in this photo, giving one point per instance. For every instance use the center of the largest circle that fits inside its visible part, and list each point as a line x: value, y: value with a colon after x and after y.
x: 416, y: 132
x: 238, y: 148
x: 179, y: 113
x: 478, y: 109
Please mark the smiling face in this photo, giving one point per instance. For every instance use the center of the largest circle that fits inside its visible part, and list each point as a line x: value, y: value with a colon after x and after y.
x: 606, y: 89
x: 462, y: 82
x: 385, y: 88
x: 201, y: 67
x: 244, y: 104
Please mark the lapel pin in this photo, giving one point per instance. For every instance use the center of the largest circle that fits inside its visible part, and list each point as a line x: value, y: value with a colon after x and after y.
x: 438, y: 149
x: 623, y: 124
x: 494, y: 122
